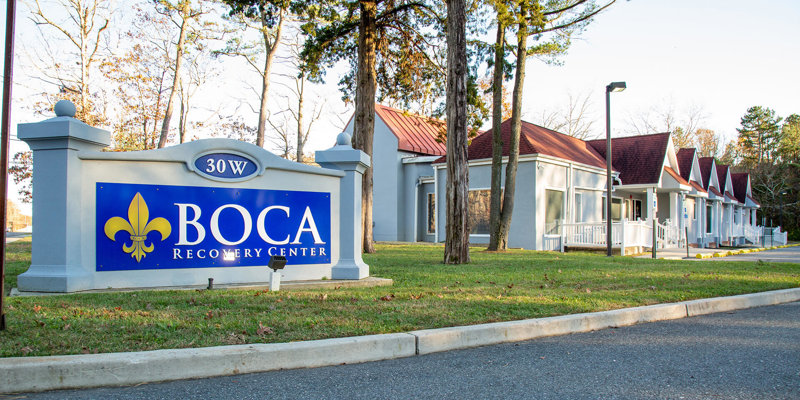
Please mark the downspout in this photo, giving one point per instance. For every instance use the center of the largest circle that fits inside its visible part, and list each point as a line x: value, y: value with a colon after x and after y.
x: 570, y: 195
x: 416, y: 209
x: 436, y: 204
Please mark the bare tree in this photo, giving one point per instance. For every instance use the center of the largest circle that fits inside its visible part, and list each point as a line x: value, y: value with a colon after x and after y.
x: 268, y: 23
x: 83, y: 27
x: 296, y: 125
x: 574, y: 119
x: 185, y: 16
x: 199, y: 70
x: 664, y: 117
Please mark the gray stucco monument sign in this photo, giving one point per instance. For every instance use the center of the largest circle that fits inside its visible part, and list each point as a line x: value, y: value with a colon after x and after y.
x: 212, y: 208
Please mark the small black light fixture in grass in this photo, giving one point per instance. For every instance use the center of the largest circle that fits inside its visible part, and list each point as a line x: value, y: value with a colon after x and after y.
x: 611, y: 87
x: 275, y: 263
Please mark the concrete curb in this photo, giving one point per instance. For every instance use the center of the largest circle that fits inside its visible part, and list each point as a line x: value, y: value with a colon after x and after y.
x: 730, y: 303
x: 435, y: 340
x: 27, y: 374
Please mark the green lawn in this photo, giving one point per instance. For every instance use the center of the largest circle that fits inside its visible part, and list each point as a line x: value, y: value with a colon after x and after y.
x: 426, y: 294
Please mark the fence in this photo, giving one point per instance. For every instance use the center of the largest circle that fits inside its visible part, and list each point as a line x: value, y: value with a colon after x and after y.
x: 624, y: 234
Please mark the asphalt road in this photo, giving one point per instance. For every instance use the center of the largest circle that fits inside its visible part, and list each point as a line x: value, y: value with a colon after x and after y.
x: 748, y: 354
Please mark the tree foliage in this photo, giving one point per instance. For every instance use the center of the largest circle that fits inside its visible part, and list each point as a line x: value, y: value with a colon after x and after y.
x: 396, y: 51
x: 759, y: 136
x: 768, y: 150
x: 551, y: 25
x: 708, y: 142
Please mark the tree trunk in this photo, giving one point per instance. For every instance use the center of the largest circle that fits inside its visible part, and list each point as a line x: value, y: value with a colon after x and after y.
x: 497, y: 140
x: 364, y: 124
x: 182, y: 122
x: 162, y: 140
x: 271, y: 47
x: 456, y: 249
x: 300, y: 141
x: 516, y: 122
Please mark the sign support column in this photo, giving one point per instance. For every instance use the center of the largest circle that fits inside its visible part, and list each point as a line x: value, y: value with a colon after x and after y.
x: 353, y: 162
x: 56, y: 259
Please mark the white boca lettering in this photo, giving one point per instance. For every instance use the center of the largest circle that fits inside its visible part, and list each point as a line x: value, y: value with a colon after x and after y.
x: 213, y: 253
x: 201, y: 251
x: 237, y: 166
x: 183, y: 222
x: 262, y: 230
x: 312, y: 227
x: 258, y: 252
x: 176, y: 254
x: 248, y: 224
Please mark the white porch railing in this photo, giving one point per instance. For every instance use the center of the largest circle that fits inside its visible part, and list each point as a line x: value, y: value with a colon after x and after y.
x: 778, y: 237
x: 624, y: 234
x: 752, y: 233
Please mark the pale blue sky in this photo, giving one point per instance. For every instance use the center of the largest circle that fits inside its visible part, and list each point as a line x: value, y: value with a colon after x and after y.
x: 723, y: 55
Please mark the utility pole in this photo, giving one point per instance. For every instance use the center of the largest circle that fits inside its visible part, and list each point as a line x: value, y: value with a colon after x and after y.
x: 11, y: 9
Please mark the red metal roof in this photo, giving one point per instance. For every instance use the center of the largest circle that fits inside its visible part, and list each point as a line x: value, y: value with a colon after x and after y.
x: 715, y: 191
x: 685, y: 158
x: 674, y: 174
x: 415, y: 133
x: 739, y: 182
x: 637, y: 158
x: 535, y: 139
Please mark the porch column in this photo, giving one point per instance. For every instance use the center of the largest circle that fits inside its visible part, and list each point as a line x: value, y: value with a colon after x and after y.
x: 650, y: 204
x: 673, y: 208
x: 700, y: 214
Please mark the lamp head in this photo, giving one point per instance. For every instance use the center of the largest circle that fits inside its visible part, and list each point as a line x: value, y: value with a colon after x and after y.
x: 616, y: 87
x: 277, y: 262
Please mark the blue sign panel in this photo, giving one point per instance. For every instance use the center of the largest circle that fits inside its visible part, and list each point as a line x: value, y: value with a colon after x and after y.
x: 225, y: 165
x: 157, y: 227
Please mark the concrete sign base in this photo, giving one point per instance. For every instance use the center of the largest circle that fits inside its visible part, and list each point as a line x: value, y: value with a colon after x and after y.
x: 213, y: 208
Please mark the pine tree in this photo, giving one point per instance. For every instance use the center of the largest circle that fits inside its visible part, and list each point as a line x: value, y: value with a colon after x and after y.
x: 759, y: 136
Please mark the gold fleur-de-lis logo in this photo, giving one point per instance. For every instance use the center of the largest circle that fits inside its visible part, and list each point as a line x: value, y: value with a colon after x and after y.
x: 138, y: 226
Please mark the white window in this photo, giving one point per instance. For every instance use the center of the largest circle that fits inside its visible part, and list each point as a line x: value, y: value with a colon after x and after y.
x: 616, y: 209
x: 578, y: 207
x: 554, y: 210
x: 478, y: 211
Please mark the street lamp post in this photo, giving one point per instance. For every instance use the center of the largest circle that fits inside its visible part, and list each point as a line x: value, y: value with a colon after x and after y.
x: 780, y: 216
x: 612, y: 87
